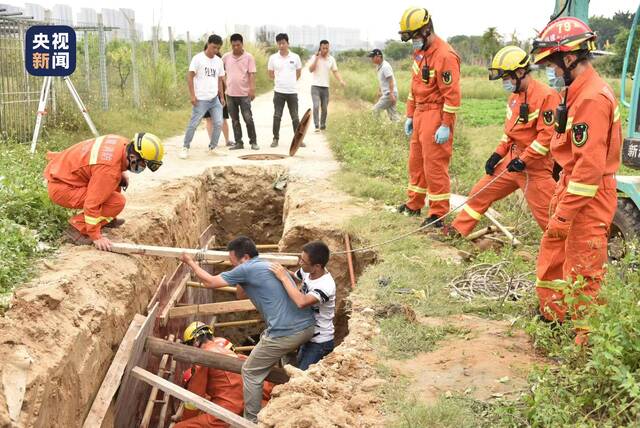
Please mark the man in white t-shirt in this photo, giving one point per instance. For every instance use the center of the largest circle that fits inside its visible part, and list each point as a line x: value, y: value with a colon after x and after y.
x: 318, y: 291
x: 284, y: 69
x: 321, y: 65
x: 387, y: 89
x: 207, y: 92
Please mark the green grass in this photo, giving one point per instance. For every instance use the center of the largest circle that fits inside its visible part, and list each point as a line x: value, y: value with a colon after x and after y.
x: 27, y: 216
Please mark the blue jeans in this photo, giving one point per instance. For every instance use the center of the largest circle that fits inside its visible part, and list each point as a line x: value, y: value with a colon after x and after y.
x: 214, y: 107
x: 311, y: 353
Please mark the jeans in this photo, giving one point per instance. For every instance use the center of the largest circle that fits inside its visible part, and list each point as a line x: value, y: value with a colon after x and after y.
x: 237, y: 105
x: 264, y: 356
x: 385, y: 104
x: 279, y: 100
x: 214, y: 107
x: 320, y: 97
x: 311, y: 353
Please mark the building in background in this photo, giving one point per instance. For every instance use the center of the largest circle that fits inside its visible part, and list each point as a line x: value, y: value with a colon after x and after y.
x: 34, y: 10
x: 309, y: 36
x: 62, y: 14
x: 87, y: 17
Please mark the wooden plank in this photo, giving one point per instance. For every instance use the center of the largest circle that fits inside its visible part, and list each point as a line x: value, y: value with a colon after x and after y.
x: 195, y: 284
x: 175, y: 297
x: 244, y: 348
x: 128, y: 397
x: 148, y: 412
x: 111, y: 381
x: 207, y: 238
x: 188, y: 396
x: 237, y: 323
x: 352, y: 275
x: 191, y: 355
x: 206, y: 256
x: 163, y: 411
x: 160, y: 291
x: 211, y: 309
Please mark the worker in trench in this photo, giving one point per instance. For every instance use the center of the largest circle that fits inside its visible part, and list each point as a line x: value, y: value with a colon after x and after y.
x: 90, y: 176
x: 221, y: 387
x: 288, y: 327
x: 434, y: 99
x: 523, y: 149
x: 586, y: 144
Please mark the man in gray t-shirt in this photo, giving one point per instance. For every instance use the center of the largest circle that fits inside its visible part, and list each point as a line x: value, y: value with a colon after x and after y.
x: 288, y: 327
x: 387, y: 90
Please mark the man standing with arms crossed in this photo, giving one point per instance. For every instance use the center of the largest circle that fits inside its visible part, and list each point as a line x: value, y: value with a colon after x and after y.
x: 284, y: 69
x: 321, y: 64
x: 432, y: 104
x: 387, y: 88
x: 207, y: 94
x: 240, y: 68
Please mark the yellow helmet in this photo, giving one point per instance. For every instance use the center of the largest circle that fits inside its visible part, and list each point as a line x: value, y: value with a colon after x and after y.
x: 150, y: 148
x: 413, y: 19
x: 194, y: 331
x: 509, y: 58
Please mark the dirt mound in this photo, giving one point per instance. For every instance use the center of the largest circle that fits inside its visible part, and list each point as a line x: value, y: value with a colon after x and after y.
x: 491, y: 361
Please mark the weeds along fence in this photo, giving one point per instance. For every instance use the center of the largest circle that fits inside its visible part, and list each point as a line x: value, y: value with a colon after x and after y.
x: 115, y: 70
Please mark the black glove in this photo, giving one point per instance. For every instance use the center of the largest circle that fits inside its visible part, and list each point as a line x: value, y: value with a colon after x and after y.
x: 516, y: 165
x: 491, y: 163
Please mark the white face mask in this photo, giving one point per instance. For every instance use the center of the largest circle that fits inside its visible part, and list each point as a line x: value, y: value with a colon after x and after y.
x: 508, y: 86
x: 554, y: 81
x: 417, y: 44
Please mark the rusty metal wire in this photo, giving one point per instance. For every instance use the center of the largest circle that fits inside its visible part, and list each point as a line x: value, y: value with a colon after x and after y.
x: 491, y: 281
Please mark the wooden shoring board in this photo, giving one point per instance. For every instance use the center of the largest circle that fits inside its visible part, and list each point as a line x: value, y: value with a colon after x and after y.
x: 126, y: 411
x: 211, y: 309
x: 162, y: 419
x: 159, y: 294
x: 148, y: 412
x: 207, y: 238
x: 111, y: 381
x: 176, y: 295
x: 186, y: 395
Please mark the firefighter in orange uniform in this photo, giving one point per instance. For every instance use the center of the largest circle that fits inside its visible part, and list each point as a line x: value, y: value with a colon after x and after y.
x: 433, y: 102
x: 218, y: 386
x: 524, y: 147
x: 587, y: 145
x: 89, y: 175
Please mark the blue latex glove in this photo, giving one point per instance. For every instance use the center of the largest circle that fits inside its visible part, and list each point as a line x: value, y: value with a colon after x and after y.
x: 408, y: 126
x: 442, y: 134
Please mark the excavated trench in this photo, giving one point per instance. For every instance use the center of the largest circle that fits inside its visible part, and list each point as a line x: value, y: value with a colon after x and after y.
x: 64, y: 327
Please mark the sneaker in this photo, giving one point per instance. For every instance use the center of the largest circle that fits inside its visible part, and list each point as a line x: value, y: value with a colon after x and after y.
x: 404, y: 209
x: 254, y: 146
x: 433, y: 221
x: 323, y: 128
x: 317, y: 131
x: 230, y: 143
x: 274, y: 143
x: 302, y: 144
x: 184, y: 153
x: 237, y: 147
x: 115, y: 223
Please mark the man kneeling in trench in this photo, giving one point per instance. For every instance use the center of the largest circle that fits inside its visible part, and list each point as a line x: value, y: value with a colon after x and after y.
x: 218, y: 386
x: 288, y: 327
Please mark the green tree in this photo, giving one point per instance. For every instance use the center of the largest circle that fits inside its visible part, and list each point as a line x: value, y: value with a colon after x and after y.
x: 490, y: 43
x: 396, y: 50
x: 119, y: 57
x: 468, y: 47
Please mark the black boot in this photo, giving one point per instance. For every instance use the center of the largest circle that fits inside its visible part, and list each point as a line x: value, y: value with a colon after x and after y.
x: 404, y: 209
x: 433, y: 219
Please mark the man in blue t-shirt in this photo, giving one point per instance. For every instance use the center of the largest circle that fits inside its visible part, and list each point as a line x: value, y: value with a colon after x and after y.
x: 288, y: 327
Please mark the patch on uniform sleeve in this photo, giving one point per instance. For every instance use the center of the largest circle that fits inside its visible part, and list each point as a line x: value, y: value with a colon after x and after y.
x: 446, y: 77
x: 547, y: 117
x: 579, y: 134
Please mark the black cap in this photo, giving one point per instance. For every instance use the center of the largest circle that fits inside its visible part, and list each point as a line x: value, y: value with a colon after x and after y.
x: 374, y: 52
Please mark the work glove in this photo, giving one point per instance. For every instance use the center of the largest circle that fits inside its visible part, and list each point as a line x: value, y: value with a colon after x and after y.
x: 408, y: 126
x: 516, y: 165
x: 442, y: 134
x: 493, y: 160
x: 558, y: 228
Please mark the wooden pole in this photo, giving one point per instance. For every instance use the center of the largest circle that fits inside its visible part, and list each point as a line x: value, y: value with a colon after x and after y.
x: 165, y: 406
x: 243, y: 348
x: 205, y: 256
x: 187, y: 396
x: 352, y: 275
x: 236, y: 323
x: 191, y: 355
x: 211, y: 309
x: 148, y: 411
x: 195, y: 284
x: 512, y: 239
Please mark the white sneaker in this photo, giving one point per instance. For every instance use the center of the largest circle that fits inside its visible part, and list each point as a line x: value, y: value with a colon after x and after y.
x: 184, y: 153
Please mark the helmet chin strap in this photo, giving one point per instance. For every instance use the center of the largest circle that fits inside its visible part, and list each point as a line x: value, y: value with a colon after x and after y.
x: 567, y: 69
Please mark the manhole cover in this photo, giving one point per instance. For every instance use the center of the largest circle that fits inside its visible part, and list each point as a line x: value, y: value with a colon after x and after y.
x: 263, y: 157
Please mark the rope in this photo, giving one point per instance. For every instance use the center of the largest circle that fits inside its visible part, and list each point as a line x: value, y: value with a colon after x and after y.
x: 404, y: 235
x: 492, y: 282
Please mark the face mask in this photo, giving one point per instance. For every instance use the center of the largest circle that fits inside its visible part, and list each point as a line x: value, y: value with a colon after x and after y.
x: 508, y: 86
x: 138, y: 168
x: 554, y: 81
x: 417, y: 44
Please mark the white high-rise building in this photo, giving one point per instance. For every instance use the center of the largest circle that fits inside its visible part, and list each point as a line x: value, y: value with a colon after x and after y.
x: 34, y: 10
x: 87, y: 17
x: 62, y: 14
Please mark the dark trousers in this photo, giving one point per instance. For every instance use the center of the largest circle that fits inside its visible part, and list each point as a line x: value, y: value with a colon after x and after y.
x: 320, y: 97
x: 236, y: 106
x: 278, y: 107
x: 311, y: 353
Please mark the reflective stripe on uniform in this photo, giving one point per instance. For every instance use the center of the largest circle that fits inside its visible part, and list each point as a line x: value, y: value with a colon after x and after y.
x: 509, y: 113
x: 410, y: 97
x: 616, y: 114
x: 504, y: 138
x: 417, y: 189
x: 569, y: 123
x: 416, y: 67
x: 441, y: 197
x: 96, y: 220
x: 581, y: 189
x: 473, y: 213
x: 95, y: 150
x: 534, y: 115
x: 539, y: 148
x: 450, y: 109
x: 556, y: 284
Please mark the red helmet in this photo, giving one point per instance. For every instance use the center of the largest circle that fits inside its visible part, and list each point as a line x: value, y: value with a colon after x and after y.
x: 565, y: 34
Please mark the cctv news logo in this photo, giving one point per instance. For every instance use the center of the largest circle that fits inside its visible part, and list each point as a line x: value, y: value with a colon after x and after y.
x: 50, y: 50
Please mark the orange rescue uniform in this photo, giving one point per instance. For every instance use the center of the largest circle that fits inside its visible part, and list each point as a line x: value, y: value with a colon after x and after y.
x: 584, y: 201
x: 87, y: 176
x: 530, y: 142
x: 433, y: 101
x: 220, y: 387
